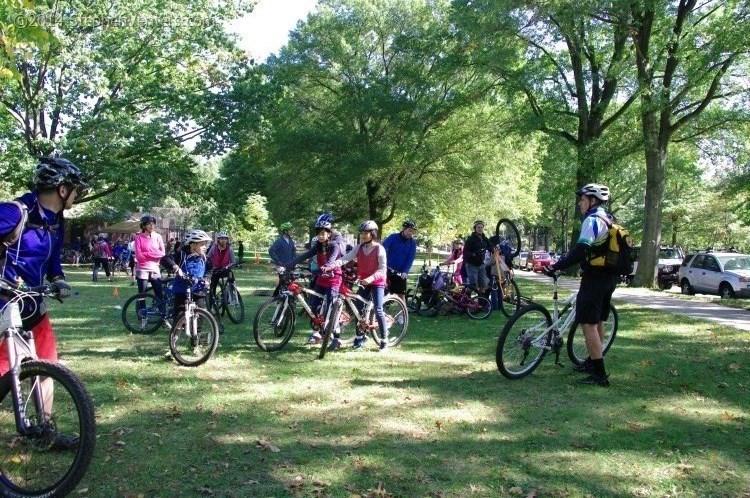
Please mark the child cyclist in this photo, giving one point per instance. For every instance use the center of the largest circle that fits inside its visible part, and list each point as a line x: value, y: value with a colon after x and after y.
x: 372, y: 274
x: 193, y: 263
x: 328, y: 248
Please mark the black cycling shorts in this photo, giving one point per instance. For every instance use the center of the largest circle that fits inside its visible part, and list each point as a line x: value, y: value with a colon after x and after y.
x: 595, y: 296
x: 396, y: 284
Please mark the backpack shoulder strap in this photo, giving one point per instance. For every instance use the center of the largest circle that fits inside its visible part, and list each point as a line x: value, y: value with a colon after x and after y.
x: 605, y: 218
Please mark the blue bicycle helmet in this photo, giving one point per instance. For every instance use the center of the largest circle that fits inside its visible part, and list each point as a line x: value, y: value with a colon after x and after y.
x: 324, y: 222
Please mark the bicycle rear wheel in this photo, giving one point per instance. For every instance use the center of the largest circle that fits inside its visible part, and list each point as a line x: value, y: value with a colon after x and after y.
x: 479, y: 308
x: 510, y: 300
x: 274, y: 324
x: 576, y: 344
x: 506, y: 230
x: 194, y: 345
x: 233, y: 303
x: 521, y: 345
x: 396, y: 320
x: 141, y: 314
x: 43, y: 462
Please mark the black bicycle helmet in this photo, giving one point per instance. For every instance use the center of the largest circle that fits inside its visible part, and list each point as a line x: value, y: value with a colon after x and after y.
x: 51, y: 172
x: 409, y: 224
x: 146, y: 219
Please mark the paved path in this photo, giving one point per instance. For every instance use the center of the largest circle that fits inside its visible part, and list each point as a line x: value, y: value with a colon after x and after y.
x: 663, y: 301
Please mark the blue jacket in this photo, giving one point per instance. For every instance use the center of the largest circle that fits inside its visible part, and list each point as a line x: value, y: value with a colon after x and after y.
x: 36, y: 254
x: 400, y: 252
x: 282, y: 251
x: 195, y: 266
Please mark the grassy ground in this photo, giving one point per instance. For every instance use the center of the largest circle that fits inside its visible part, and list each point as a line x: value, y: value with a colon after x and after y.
x: 432, y: 417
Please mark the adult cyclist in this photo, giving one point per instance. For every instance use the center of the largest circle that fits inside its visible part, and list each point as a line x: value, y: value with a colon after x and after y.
x: 401, y: 249
x: 31, y: 251
x: 597, y: 286
x: 149, y: 249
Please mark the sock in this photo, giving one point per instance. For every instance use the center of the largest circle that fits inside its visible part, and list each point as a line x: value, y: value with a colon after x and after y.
x: 599, y: 367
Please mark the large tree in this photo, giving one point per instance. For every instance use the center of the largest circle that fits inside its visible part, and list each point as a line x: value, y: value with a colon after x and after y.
x: 120, y: 87
x: 685, y: 53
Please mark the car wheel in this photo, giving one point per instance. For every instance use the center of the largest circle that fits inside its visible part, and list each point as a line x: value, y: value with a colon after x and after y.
x: 686, y: 288
x: 726, y: 291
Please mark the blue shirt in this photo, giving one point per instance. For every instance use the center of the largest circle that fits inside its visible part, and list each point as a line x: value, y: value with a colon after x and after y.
x: 195, y: 266
x: 400, y: 252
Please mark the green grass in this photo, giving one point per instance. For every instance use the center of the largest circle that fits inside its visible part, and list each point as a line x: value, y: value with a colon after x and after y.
x: 432, y: 417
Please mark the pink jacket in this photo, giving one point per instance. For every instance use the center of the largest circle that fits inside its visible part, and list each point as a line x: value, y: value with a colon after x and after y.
x: 148, y: 251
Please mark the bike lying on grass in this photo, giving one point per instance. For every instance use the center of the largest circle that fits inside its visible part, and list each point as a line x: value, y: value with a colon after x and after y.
x: 45, y: 448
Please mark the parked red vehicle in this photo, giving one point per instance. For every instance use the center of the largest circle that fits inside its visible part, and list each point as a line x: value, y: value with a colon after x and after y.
x: 536, y: 260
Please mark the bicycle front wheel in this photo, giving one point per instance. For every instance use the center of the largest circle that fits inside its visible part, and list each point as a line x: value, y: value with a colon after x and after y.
x: 576, y: 345
x: 510, y: 300
x: 193, y: 343
x: 331, y: 325
x: 521, y: 345
x: 233, y: 303
x: 55, y: 451
x: 507, y: 231
x: 141, y: 314
x: 274, y: 324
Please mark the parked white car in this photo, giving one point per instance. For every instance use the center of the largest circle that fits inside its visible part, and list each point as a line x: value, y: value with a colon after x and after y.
x: 724, y: 273
x: 520, y: 260
x: 667, y: 267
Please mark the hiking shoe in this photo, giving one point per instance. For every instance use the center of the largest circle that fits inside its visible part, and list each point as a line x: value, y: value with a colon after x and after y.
x: 383, y: 346
x: 65, y: 443
x: 360, y: 341
x: 593, y: 379
x: 315, y: 338
x: 335, y: 344
x: 585, y: 367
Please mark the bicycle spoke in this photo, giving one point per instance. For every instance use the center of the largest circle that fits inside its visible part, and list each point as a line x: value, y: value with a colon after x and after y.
x: 520, y: 345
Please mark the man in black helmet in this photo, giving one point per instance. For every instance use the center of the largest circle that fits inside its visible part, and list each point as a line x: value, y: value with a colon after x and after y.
x: 31, y: 232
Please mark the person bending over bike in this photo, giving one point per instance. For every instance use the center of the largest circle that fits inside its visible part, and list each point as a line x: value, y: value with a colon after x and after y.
x: 597, y: 286
x: 221, y: 257
x: 327, y: 249
x: 371, y: 272
x: 194, y: 263
x: 149, y: 249
x: 32, y: 249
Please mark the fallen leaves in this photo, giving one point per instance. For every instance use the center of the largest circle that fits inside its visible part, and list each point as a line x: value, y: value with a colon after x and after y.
x: 266, y: 445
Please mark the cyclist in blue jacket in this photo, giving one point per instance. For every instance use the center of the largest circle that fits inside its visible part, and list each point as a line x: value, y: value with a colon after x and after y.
x: 400, y: 250
x: 31, y: 232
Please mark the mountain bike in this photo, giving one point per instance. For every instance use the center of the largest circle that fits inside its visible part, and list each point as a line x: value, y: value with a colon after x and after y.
x: 39, y: 454
x: 195, y: 334
x: 425, y: 296
x: 531, y: 332
x: 460, y: 300
x: 345, y: 310
x: 226, y: 298
x: 144, y: 313
x: 275, y: 320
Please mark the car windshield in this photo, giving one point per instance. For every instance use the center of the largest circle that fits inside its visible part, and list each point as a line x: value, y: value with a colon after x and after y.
x: 739, y: 262
x: 669, y: 254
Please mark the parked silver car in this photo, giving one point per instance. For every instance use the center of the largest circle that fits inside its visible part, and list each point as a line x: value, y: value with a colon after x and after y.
x: 520, y: 260
x: 724, y: 273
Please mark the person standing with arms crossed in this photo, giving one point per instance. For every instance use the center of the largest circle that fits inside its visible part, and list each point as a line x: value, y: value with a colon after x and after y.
x: 597, y: 286
x: 400, y: 251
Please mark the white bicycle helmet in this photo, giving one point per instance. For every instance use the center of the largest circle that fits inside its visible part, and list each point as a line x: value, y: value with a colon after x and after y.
x: 222, y: 234
x: 196, y: 236
x: 368, y: 226
x: 601, y: 192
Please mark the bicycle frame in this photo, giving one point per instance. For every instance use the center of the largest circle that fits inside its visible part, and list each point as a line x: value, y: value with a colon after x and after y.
x: 562, y: 319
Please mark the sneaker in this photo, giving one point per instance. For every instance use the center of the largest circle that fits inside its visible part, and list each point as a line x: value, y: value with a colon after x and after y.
x: 383, y: 346
x: 335, y: 344
x: 315, y: 338
x: 594, y: 379
x: 109, y: 279
x: 360, y: 341
x: 585, y: 367
x: 144, y: 323
x: 166, y: 324
x: 65, y: 443
x: 400, y: 319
